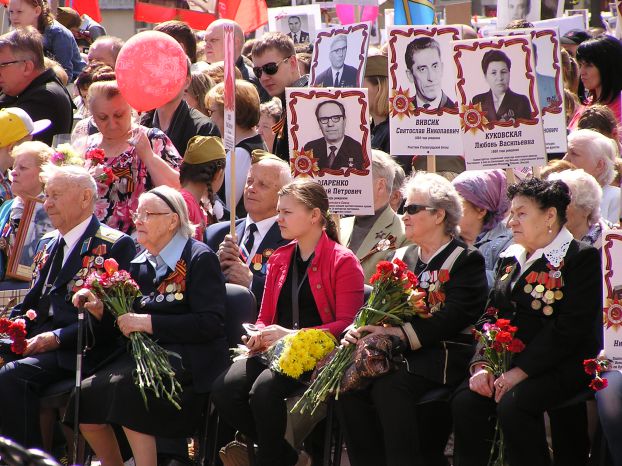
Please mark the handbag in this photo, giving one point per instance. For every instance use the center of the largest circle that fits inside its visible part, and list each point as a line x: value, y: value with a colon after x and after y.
x: 234, y: 453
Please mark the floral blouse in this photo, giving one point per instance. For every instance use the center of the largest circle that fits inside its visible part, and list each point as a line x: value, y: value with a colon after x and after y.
x: 122, y: 179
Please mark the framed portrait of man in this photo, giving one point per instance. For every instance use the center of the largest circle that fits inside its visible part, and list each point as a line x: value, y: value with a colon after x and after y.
x: 511, y: 10
x: 500, y: 118
x: 339, y: 56
x: 422, y: 96
x: 330, y: 141
x: 300, y: 23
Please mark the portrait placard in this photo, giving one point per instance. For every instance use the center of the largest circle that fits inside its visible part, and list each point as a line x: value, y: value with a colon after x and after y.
x: 229, y: 80
x: 300, y: 23
x: 33, y: 225
x: 547, y: 55
x: 612, y: 297
x: 500, y: 118
x: 340, y: 55
x: 563, y: 24
x: 422, y: 94
x: 510, y: 10
x: 551, y: 9
x: 330, y: 142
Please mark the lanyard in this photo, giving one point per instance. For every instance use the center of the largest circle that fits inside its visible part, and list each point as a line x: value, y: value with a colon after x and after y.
x: 296, y: 288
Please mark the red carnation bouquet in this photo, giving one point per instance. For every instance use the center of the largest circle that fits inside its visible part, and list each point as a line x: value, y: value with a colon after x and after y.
x: 391, y: 302
x: 14, y: 329
x: 595, y: 367
x: 118, y: 291
x: 497, y: 345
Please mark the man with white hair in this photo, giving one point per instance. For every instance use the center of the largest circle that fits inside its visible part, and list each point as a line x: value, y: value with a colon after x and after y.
x: 244, y: 257
x: 65, y: 257
x: 338, y: 74
x: 374, y: 238
x: 596, y: 154
x: 215, y: 52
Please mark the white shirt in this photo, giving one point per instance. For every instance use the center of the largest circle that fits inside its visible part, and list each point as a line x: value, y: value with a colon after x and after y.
x: 263, y: 227
x: 497, y: 102
x: 336, y: 145
x: 335, y: 71
x: 73, y: 236
x: 610, y: 204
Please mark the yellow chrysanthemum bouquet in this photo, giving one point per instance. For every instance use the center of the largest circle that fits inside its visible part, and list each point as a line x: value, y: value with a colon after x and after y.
x: 299, y: 352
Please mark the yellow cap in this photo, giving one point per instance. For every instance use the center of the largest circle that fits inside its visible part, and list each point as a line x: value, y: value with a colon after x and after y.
x: 16, y: 124
x: 202, y: 149
x: 259, y: 154
x: 377, y: 65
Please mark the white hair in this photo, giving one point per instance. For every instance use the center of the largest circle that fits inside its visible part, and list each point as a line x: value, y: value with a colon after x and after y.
x: 585, y: 191
x: 594, y: 144
x: 281, y: 167
x: 383, y: 166
x: 186, y: 228
x: 441, y: 194
x: 75, y: 175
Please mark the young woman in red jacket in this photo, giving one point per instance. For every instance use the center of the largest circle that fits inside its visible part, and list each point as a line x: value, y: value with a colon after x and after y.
x: 311, y: 282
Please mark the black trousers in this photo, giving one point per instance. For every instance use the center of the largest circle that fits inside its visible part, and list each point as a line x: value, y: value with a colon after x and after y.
x: 251, y: 398
x: 381, y: 425
x: 521, y: 418
x: 21, y: 383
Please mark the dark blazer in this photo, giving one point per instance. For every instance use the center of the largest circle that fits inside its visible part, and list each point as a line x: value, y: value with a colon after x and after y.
x: 303, y: 37
x: 45, y: 97
x: 194, y: 326
x: 441, y: 346
x: 350, y: 154
x: 186, y: 123
x: 557, y: 343
x: 346, y: 79
x: 512, y: 107
x: 64, y: 322
x: 215, y: 234
x: 445, y: 103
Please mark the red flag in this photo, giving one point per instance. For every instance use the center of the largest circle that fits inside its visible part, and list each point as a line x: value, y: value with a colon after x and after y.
x: 87, y: 7
x: 250, y: 14
x: 4, y: 2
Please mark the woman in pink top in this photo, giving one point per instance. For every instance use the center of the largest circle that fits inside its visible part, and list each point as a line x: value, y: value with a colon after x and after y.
x: 311, y: 282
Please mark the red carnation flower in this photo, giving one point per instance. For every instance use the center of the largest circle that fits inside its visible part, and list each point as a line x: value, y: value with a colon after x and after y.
x: 591, y: 367
x: 96, y: 155
x: 503, y: 337
x: 384, y: 267
x: 18, y: 346
x: 412, y: 278
x: 492, y: 311
x: 502, y: 324
x: 598, y: 384
x: 516, y: 346
x: 375, y: 277
x: 5, y: 325
x: 400, y: 265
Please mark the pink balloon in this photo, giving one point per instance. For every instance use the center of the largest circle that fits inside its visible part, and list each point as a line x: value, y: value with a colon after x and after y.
x: 151, y: 70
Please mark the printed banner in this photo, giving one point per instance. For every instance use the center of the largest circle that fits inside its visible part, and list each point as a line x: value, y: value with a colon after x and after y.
x: 612, y: 296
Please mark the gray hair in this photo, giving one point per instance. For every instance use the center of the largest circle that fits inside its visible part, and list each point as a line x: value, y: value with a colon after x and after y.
x: 598, y: 146
x: 383, y: 166
x: 281, y: 168
x: 75, y: 175
x: 585, y: 191
x: 441, y: 194
x: 400, y: 176
x: 186, y: 229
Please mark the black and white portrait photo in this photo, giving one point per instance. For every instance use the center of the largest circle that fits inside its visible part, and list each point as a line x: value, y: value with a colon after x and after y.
x: 424, y: 69
x: 300, y: 23
x: 335, y: 149
x: 297, y: 31
x: 500, y: 103
x: 511, y: 10
x: 339, y: 56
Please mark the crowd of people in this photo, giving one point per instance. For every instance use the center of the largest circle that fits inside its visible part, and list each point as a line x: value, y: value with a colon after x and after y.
x: 154, y: 191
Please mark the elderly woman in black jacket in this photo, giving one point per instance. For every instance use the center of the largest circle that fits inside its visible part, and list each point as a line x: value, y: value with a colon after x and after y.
x: 549, y: 286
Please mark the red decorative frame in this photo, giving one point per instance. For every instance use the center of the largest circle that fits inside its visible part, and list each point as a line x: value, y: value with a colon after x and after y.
x: 319, y: 93
x: 529, y: 74
x: 607, y: 245
x: 334, y: 32
x: 412, y: 33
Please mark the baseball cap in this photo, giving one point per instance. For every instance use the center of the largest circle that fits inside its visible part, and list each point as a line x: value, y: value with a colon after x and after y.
x: 575, y: 37
x: 16, y: 124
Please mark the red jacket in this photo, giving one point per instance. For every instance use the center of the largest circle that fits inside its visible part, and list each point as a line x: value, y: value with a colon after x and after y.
x: 336, y: 280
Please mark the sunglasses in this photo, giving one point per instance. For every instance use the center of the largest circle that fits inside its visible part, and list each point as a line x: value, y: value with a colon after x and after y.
x: 269, y: 68
x: 412, y: 209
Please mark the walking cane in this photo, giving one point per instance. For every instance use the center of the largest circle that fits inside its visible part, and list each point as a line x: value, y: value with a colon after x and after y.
x: 76, y: 400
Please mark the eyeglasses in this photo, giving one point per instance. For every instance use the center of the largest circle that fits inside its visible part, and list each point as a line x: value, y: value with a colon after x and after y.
x: 333, y: 118
x: 412, y: 209
x: 144, y: 216
x: 7, y: 63
x: 269, y: 68
x: 340, y: 51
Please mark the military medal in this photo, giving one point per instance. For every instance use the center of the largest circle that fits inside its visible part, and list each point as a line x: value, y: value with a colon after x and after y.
x: 174, y: 284
x: 256, y: 262
x: 508, y: 269
x: 179, y: 296
x: 170, y: 297
x: 159, y: 298
x: 544, y: 287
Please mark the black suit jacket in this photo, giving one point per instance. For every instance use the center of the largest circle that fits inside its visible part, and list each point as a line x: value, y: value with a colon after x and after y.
x: 445, y: 103
x: 215, y: 234
x: 186, y: 123
x: 194, y: 326
x: 557, y: 343
x: 350, y: 154
x: 303, y: 37
x: 45, y: 97
x: 346, y: 79
x: 445, y: 347
x: 64, y: 322
x: 512, y: 107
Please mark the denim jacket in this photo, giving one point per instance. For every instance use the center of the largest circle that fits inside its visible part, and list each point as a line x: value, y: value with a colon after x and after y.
x: 60, y: 45
x: 491, y: 244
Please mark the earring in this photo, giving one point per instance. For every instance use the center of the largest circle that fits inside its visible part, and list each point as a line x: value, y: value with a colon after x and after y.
x: 550, y: 230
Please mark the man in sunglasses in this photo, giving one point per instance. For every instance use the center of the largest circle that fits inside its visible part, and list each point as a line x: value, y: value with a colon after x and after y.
x: 276, y: 66
x: 335, y: 150
x: 338, y: 74
x: 26, y: 83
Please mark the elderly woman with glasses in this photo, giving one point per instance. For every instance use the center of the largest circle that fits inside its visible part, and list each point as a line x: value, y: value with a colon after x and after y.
x: 549, y: 286
x: 187, y: 321
x: 380, y: 422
